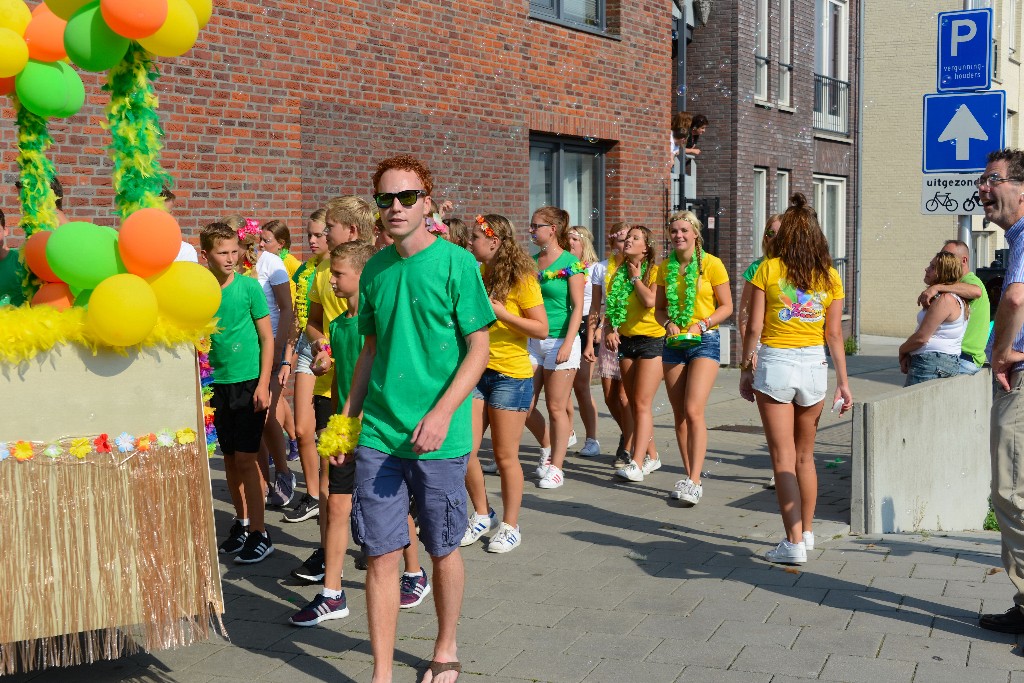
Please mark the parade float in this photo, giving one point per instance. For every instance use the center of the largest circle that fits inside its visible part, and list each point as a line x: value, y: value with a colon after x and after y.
x: 106, y: 517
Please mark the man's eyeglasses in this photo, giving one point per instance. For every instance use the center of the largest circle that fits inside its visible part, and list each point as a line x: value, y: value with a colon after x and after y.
x: 538, y: 226
x: 993, y: 179
x: 406, y: 198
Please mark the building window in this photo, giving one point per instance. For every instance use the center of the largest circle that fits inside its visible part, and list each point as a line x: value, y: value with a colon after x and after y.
x: 785, y: 52
x: 980, y: 257
x: 760, y: 208
x: 781, y: 190
x: 831, y: 67
x: 830, y: 203
x: 569, y: 175
x: 584, y: 13
x: 1011, y: 23
x: 761, y: 60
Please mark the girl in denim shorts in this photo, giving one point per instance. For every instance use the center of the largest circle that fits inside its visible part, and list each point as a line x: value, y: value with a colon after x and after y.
x: 796, y: 309
x: 933, y: 351
x: 632, y: 330
x: 693, y: 298
x: 503, y: 395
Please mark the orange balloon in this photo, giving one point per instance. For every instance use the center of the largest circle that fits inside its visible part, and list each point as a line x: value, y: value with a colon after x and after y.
x: 149, y: 241
x: 134, y: 19
x: 56, y: 294
x: 6, y: 86
x: 44, y: 36
x: 35, y: 256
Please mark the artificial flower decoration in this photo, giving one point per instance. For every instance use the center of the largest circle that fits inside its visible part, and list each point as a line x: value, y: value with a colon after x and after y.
x: 125, y: 442
x: 186, y: 435
x: 145, y: 442
x: 23, y: 451
x: 80, y: 447
x: 682, y: 315
x: 341, y: 436
x: 203, y: 346
x: 102, y: 443
x: 165, y: 438
x: 577, y: 268
x: 485, y: 226
x: 5, y: 451
x: 618, y: 295
x: 52, y: 451
x: 251, y: 228
x: 436, y: 225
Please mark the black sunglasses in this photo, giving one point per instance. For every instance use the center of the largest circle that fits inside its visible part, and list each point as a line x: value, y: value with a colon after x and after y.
x: 406, y: 198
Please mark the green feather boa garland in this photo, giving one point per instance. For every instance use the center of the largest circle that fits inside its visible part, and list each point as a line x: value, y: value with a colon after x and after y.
x: 682, y: 316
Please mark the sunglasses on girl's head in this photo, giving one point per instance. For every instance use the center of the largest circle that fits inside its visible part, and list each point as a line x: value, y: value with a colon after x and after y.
x: 769, y: 233
x: 406, y: 198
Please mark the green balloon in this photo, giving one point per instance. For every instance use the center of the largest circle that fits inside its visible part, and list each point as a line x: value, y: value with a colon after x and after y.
x: 82, y: 298
x: 90, y: 43
x: 84, y: 255
x: 50, y: 89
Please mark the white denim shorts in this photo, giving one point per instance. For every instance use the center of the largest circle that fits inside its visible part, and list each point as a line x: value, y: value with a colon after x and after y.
x: 544, y: 353
x: 304, y: 351
x: 792, y: 375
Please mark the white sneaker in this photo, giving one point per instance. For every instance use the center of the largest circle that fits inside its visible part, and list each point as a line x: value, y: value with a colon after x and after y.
x: 572, y: 439
x: 591, y: 449
x: 651, y: 464
x: 508, y: 538
x: 489, y: 466
x: 478, y: 526
x: 692, y: 494
x: 631, y: 472
x: 809, y: 540
x: 787, y: 553
x: 680, y: 487
x: 552, y: 479
x: 770, y: 484
x: 544, y: 463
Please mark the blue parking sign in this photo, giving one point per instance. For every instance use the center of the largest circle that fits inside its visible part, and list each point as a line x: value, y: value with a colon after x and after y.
x: 960, y: 129
x: 965, y: 50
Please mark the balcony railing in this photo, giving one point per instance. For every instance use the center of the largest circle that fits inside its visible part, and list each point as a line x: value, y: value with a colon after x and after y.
x: 831, y: 105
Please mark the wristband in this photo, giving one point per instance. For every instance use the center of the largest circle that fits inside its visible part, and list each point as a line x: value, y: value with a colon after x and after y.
x: 633, y: 279
x: 286, y: 362
x: 325, y: 346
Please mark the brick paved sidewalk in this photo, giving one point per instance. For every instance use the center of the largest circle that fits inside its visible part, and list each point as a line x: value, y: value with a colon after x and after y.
x: 615, y: 582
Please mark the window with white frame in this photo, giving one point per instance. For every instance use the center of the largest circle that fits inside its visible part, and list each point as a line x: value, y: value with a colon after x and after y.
x: 781, y: 190
x: 785, y: 97
x: 1011, y: 23
x: 831, y: 38
x: 830, y: 203
x: 760, y: 208
x: 980, y: 250
x: 761, y: 60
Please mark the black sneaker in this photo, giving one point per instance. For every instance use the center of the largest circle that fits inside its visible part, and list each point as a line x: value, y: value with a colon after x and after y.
x: 307, y: 507
x: 360, y: 561
x: 1011, y: 621
x: 313, y: 569
x: 622, y: 459
x: 235, y: 540
x: 256, y: 549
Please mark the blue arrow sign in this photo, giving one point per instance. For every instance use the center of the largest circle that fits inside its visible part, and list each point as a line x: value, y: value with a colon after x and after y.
x: 965, y: 50
x: 960, y: 129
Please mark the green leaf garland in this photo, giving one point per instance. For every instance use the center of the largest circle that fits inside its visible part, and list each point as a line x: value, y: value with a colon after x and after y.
x: 135, y: 132
x: 685, y: 315
x: 618, y: 294
x: 38, y: 202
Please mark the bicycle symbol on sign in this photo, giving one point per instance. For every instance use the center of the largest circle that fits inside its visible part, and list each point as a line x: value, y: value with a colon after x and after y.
x: 945, y: 201
x: 971, y: 203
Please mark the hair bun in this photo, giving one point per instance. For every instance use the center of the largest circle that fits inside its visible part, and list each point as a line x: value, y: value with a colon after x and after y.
x: 797, y: 201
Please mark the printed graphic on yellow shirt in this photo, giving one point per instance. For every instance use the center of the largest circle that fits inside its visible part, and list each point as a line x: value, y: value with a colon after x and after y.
x: 807, y: 307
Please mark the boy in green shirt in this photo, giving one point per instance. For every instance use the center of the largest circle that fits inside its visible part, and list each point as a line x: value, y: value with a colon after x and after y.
x: 242, y: 356
x: 424, y: 314
x: 11, y: 293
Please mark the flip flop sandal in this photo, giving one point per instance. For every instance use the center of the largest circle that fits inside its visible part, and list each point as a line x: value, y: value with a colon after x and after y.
x: 437, y: 668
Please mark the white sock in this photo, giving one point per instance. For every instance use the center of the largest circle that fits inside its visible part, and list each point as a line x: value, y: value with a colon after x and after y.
x: 245, y: 522
x: 331, y: 594
x: 419, y: 573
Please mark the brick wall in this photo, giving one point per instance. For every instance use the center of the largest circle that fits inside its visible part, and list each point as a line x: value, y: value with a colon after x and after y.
x: 282, y: 104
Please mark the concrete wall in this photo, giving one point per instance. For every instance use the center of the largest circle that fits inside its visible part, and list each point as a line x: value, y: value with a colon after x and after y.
x: 921, y: 458
x: 899, y: 67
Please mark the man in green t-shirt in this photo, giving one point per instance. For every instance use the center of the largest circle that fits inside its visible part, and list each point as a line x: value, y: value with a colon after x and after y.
x: 11, y: 293
x: 971, y: 289
x: 424, y: 314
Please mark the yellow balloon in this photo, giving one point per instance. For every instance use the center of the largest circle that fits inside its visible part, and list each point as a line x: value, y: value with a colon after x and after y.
x: 15, y: 15
x: 13, y: 53
x: 177, y: 35
x: 186, y: 293
x: 66, y: 8
x: 122, y: 310
x: 203, y: 10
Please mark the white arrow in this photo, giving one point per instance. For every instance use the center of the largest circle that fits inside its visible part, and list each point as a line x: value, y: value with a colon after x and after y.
x: 963, y: 128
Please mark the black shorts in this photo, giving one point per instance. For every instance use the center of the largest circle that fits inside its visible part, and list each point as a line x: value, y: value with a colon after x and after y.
x: 341, y: 480
x: 239, y: 425
x: 641, y: 347
x: 322, y: 411
x: 583, y: 330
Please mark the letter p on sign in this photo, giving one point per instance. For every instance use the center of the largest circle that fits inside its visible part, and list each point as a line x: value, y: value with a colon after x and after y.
x: 959, y: 36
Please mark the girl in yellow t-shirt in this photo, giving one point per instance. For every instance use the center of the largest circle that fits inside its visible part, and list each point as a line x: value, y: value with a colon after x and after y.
x: 503, y: 395
x: 796, y: 309
x: 693, y: 298
x: 632, y: 330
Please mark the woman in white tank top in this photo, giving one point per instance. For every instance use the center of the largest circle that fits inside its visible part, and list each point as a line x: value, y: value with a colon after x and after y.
x: 933, y: 351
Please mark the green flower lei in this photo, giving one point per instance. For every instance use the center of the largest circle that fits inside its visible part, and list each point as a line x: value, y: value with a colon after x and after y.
x: 618, y: 294
x: 676, y: 315
x: 303, y: 281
